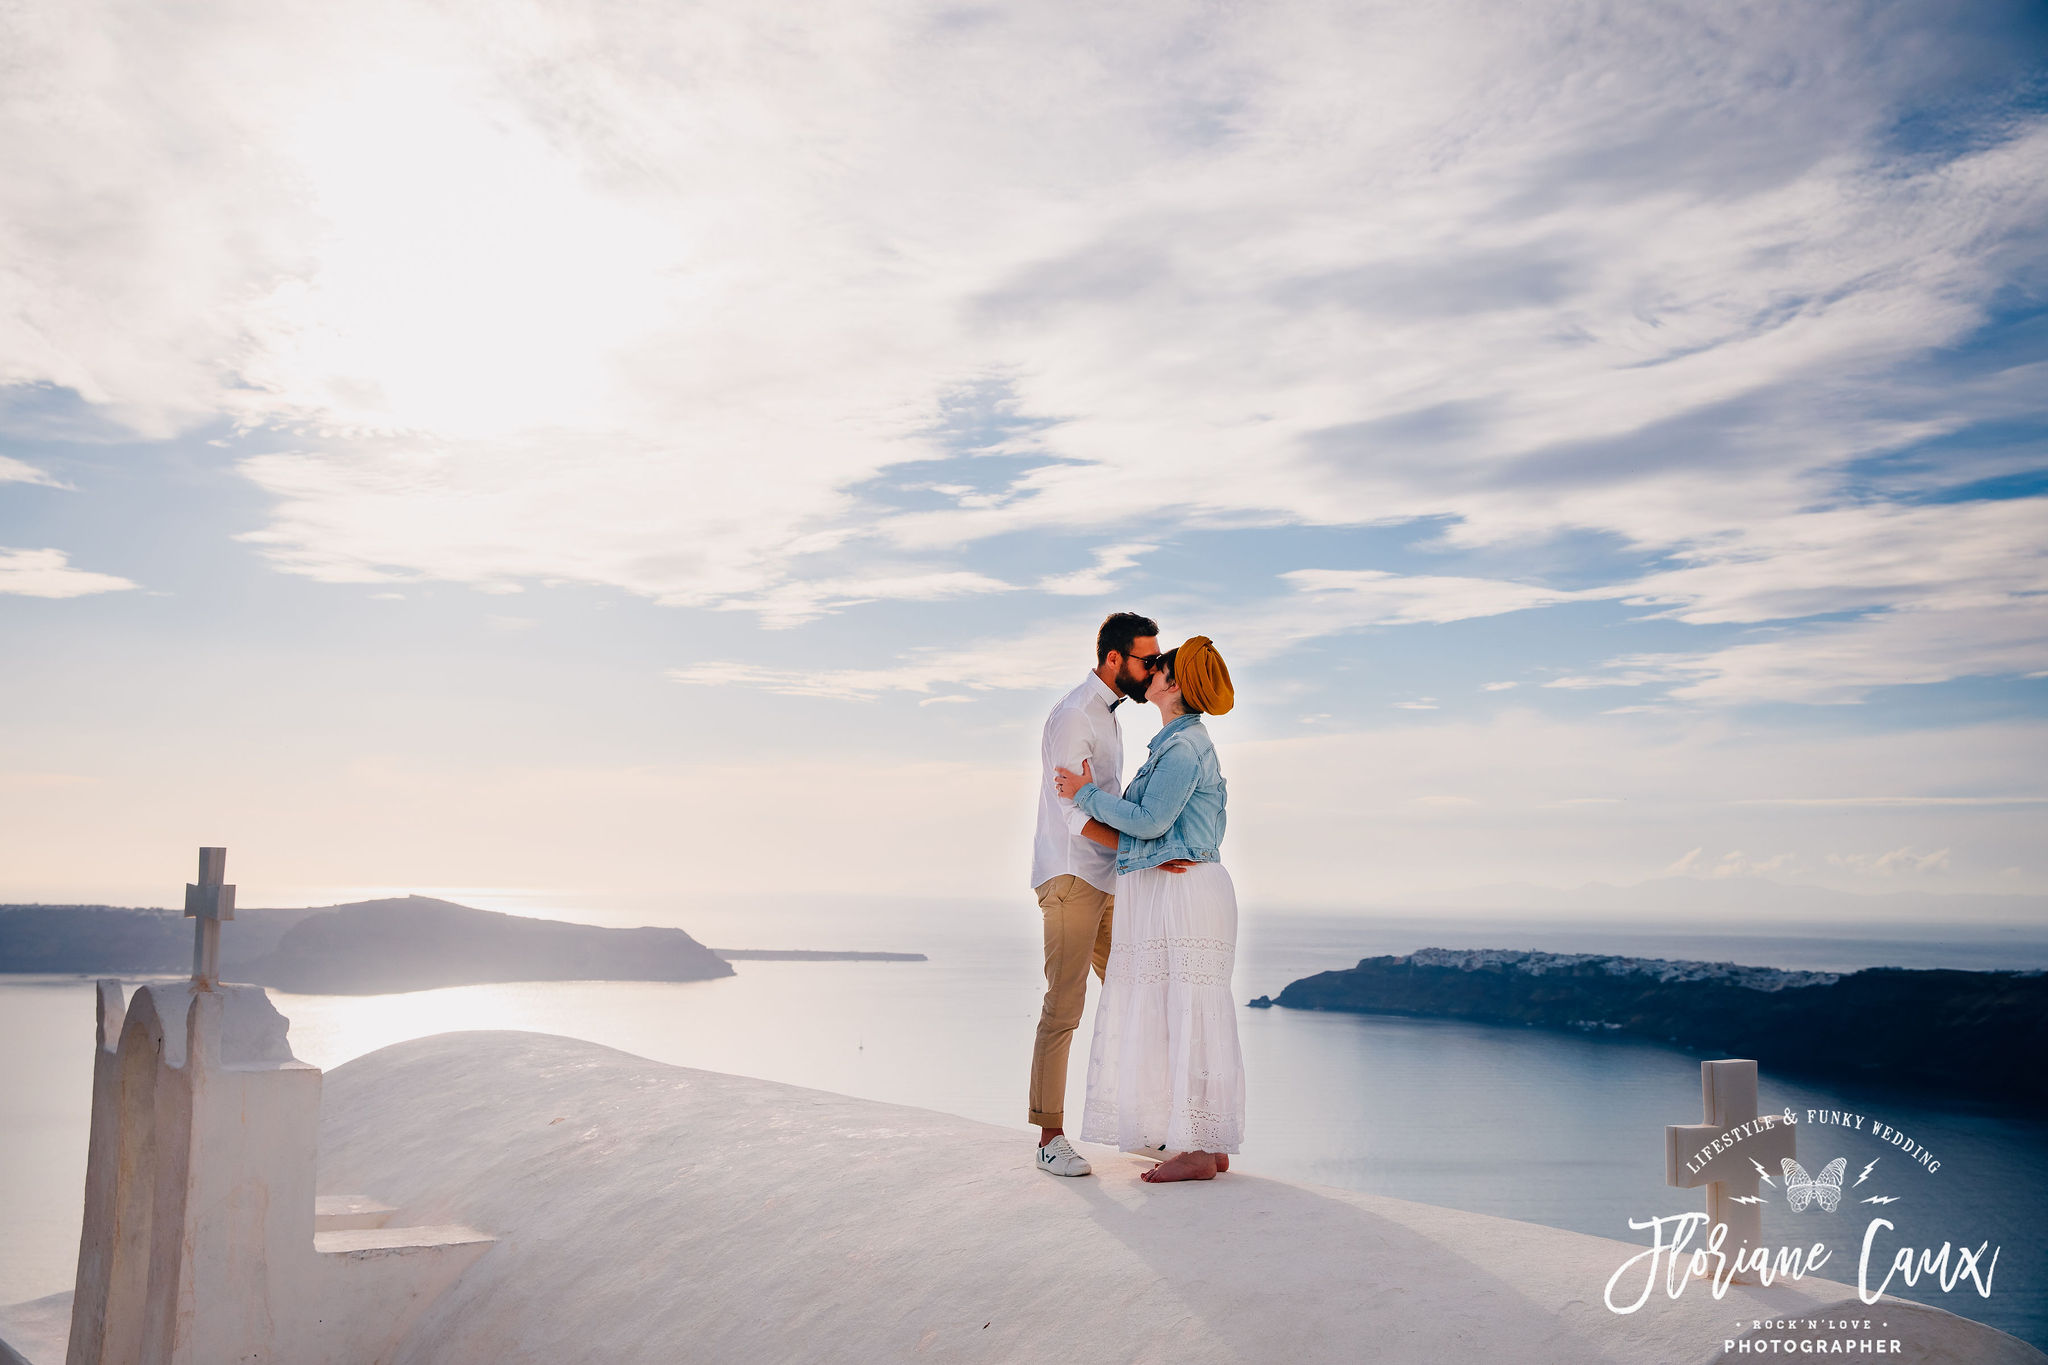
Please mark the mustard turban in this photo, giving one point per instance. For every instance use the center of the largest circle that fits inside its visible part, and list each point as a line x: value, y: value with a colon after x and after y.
x: 1203, y: 679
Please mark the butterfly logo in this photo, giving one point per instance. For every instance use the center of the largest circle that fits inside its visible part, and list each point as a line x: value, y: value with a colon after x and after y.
x: 1824, y: 1189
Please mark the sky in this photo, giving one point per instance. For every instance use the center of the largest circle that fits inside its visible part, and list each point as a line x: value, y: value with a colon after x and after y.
x: 638, y: 453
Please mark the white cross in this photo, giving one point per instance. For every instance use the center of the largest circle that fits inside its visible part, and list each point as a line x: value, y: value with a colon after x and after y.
x: 210, y: 902
x: 1728, y: 1094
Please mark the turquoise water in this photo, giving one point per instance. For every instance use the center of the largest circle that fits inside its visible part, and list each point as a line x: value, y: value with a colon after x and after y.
x: 1561, y: 1129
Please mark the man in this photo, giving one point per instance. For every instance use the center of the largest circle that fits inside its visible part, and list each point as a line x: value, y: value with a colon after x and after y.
x: 1074, y: 875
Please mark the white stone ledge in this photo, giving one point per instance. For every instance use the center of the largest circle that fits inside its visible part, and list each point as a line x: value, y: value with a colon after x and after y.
x: 364, y: 1242
x: 333, y: 1212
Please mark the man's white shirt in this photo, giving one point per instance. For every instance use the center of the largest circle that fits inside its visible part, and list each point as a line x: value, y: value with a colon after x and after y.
x: 1082, y: 727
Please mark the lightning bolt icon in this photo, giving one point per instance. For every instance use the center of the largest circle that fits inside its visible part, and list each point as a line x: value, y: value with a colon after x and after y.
x: 1882, y: 1199
x: 1764, y: 1173
x: 1751, y: 1199
x: 1866, y: 1172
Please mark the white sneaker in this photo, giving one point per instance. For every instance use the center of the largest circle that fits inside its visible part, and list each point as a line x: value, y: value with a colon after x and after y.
x: 1060, y: 1158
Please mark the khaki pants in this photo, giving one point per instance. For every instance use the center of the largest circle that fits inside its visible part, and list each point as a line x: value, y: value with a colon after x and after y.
x: 1076, y: 935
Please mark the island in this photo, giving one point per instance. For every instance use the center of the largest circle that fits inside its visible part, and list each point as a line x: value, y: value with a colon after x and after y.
x: 812, y: 955
x: 404, y: 943
x: 1982, y: 1035
x: 113, y: 940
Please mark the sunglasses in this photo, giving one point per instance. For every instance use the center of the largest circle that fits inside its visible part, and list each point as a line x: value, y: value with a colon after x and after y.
x: 1151, y: 661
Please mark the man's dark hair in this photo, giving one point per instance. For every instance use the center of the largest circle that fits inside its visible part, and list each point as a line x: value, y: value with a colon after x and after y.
x: 1119, y: 631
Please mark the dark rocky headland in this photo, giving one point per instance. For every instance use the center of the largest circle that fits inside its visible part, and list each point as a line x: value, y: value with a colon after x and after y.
x: 1983, y: 1035
x: 406, y: 943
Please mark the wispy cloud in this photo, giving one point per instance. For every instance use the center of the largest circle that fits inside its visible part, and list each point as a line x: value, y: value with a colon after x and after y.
x: 17, y: 471
x: 1696, y: 862
x: 1896, y: 801
x: 48, y: 573
x: 1049, y: 655
x: 793, y: 603
x: 1686, y: 863
x: 1098, y: 579
x: 1311, y: 604
x: 1897, y: 862
x: 1843, y: 661
x: 1734, y: 863
x: 841, y: 684
x: 1939, y: 592
x: 1361, y: 597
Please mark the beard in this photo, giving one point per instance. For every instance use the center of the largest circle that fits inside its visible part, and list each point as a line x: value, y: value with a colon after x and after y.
x: 1133, y: 688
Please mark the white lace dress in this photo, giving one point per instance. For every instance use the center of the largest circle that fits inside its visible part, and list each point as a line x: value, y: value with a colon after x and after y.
x: 1164, y: 1068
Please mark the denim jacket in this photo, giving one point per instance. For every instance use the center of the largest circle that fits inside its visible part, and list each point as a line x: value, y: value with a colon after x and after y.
x: 1172, y: 807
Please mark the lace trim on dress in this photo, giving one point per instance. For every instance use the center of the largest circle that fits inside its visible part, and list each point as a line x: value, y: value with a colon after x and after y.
x: 1205, y: 1129
x: 1210, y: 1131
x: 1192, y: 961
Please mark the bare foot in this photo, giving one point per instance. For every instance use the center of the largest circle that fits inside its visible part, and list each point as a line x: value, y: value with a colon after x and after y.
x: 1222, y: 1158
x: 1185, y: 1166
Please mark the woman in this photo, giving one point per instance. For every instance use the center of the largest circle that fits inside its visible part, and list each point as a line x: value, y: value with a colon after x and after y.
x: 1164, y: 1070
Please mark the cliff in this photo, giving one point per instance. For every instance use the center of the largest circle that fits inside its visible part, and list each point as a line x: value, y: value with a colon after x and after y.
x: 109, y: 940
x: 417, y: 943
x: 1982, y: 1034
x: 369, y: 947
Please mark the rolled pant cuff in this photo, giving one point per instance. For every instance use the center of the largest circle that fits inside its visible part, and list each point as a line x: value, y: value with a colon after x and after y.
x: 1041, y: 1119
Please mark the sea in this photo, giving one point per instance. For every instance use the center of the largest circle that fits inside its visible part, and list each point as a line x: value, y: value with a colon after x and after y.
x: 1553, y: 1127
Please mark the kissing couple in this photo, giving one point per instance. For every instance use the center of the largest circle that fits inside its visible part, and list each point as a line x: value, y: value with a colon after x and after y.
x: 1130, y: 881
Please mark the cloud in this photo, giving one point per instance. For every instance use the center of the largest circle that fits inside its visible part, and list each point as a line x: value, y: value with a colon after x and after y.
x: 1101, y: 578
x: 1939, y: 593
x: 1898, y: 801
x: 1930, y: 593
x: 1950, y: 626
x: 838, y: 684
x: 790, y: 604
x: 1361, y: 597
x: 1734, y: 863
x: 1842, y: 662
x: 651, y: 299
x: 1580, y: 682
x: 15, y: 471
x: 1899, y: 862
x: 1313, y: 604
x: 48, y: 573
x: 1358, y: 787
x: 1685, y: 864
